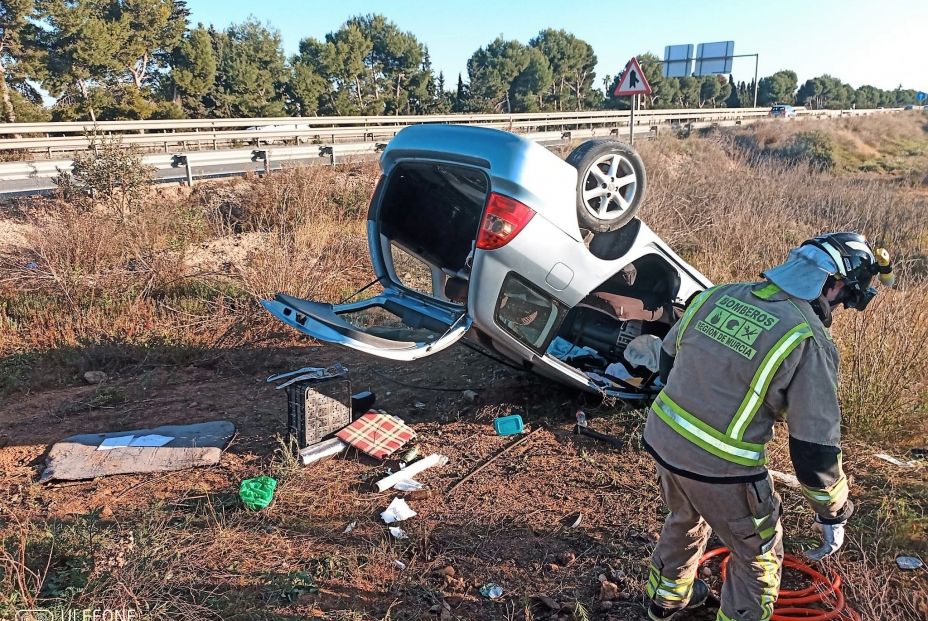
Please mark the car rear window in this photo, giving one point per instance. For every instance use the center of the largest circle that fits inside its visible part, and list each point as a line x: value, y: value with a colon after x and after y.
x: 434, y: 210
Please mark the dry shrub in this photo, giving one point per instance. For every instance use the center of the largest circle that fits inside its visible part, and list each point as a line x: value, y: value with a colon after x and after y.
x: 311, y: 219
x: 732, y: 215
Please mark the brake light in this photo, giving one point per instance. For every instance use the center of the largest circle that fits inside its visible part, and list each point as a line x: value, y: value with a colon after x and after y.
x: 503, y: 219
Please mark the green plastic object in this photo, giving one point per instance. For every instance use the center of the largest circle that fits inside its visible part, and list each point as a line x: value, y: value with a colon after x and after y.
x: 257, y: 493
x: 508, y: 425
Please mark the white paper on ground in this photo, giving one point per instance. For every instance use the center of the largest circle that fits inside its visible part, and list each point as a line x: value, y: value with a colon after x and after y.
x: 409, y: 485
x: 398, y: 533
x: 435, y: 459
x: 112, y: 443
x: 152, y: 439
x: 397, y: 511
x: 350, y: 527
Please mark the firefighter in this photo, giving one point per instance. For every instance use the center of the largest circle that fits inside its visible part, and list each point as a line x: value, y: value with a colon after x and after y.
x: 742, y: 356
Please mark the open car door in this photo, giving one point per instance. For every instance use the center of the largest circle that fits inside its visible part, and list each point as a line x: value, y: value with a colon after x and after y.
x: 394, y: 324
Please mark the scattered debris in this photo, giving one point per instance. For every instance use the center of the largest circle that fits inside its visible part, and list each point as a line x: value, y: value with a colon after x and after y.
x: 706, y: 572
x: 491, y: 590
x: 894, y: 461
x: 322, y: 450
x: 95, y: 377
x: 573, y: 520
x: 397, y: 511
x: 308, y: 373
x: 566, y: 558
x: 470, y: 396
x: 411, y: 470
x: 411, y: 454
x: 377, y: 434
x: 786, y: 479
x: 398, y: 533
x: 318, y: 403
x: 490, y: 460
x: 362, y: 401
x: 419, y: 405
x: 608, y: 591
x: 257, y: 493
x: 76, y: 458
x: 584, y: 430
x: 509, y: 425
x: 409, y: 485
x: 909, y: 562
x: 350, y: 527
x: 420, y: 494
x: 399, y: 564
x: 919, y: 453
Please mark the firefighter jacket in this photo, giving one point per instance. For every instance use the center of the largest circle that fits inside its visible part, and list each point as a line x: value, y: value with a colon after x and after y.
x: 746, y: 355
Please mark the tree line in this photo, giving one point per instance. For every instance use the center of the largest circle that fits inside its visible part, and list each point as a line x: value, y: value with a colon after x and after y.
x: 142, y: 59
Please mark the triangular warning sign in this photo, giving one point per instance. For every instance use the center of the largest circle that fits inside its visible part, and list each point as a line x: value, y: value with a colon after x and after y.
x: 633, y: 81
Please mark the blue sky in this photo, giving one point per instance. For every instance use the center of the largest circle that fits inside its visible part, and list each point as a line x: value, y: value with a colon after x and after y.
x: 878, y: 42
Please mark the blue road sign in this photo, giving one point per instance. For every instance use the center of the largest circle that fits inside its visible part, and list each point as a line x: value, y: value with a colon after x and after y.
x: 921, y: 96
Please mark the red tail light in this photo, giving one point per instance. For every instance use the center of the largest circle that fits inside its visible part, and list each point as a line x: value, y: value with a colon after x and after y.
x: 502, y: 221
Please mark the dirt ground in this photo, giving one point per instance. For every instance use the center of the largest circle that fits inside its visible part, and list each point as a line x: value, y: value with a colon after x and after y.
x: 512, y: 523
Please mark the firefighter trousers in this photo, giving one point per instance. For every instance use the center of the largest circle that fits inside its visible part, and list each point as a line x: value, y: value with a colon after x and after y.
x: 746, y: 517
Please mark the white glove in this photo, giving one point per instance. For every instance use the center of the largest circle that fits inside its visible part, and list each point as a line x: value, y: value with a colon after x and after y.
x: 832, y: 538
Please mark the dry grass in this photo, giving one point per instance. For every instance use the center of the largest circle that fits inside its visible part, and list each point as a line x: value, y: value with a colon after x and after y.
x: 180, y: 278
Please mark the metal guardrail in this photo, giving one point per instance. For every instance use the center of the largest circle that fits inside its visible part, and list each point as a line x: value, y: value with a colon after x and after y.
x: 188, y: 149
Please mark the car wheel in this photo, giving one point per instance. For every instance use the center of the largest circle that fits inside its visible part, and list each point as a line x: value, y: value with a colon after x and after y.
x: 610, y: 186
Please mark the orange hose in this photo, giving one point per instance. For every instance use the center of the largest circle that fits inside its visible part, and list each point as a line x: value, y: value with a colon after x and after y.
x: 792, y: 604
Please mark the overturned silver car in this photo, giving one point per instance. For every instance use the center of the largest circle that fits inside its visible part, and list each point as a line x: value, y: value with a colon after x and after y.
x: 481, y: 234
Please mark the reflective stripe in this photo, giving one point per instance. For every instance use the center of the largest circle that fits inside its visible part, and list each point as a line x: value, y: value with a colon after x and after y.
x: 704, y: 436
x: 691, y: 310
x: 835, y: 256
x: 767, y: 291
x: 665, y: 592
x: 723, y: 617
x: 826, y: 496
x: 761, y: 382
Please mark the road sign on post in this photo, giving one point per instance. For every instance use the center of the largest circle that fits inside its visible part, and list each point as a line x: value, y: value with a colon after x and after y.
x: 921, y: 96
x: 632, y: 83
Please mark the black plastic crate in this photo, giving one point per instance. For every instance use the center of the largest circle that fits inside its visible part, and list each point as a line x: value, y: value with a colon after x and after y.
x: 317, y: 408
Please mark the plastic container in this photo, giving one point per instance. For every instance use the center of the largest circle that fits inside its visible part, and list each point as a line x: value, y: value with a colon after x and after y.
x: 257, y: 493
x: 317, y: 408
x: 508, y: 425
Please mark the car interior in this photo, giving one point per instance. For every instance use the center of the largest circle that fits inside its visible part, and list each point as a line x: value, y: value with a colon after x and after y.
x: 432, y: 210
x: 636, y: 301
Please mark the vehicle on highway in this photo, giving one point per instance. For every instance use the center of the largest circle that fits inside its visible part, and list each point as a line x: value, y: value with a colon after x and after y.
x: 783, y: 111
x: 279, y: 134
x: 481, y: 234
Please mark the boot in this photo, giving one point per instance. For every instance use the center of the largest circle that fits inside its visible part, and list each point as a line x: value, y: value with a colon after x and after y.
x: 698, y: 596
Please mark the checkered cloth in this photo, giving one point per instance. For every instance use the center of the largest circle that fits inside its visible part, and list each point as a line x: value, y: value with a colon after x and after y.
x: 377, y: 434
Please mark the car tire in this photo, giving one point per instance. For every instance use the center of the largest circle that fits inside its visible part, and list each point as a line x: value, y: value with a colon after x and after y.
x: 607, y: 202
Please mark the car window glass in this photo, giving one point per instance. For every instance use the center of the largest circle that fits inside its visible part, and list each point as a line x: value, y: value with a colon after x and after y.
x: 383, y: 322
x: 412, y: 272
x: 525, y: 313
